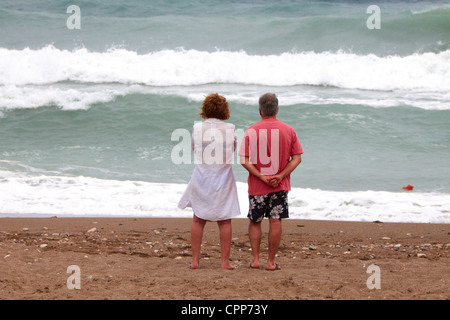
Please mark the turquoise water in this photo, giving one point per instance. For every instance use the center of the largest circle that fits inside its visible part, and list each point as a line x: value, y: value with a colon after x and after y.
x: 347, y: 148
x: 257, y: 27
x: 98, y: 105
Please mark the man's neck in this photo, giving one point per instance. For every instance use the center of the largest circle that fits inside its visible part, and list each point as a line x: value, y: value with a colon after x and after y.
x: 268, y: 117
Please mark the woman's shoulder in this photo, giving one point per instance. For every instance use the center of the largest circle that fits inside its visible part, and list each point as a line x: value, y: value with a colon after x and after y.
x: 229, y: 125
x: 226, y: 125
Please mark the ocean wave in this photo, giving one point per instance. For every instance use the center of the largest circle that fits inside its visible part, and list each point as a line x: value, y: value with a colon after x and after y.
x: 49, y: 65
x: 86, y: 96
x: 267, y: 27
x: 441, y: 10
x: 84, y: 196
x: 17, y: 97
x: 296, y: 95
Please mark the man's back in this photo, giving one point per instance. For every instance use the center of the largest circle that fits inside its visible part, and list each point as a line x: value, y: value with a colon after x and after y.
x: 269, y: 144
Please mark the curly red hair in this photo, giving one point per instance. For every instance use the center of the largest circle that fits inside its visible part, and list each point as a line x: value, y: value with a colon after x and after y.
x: 215, y: 106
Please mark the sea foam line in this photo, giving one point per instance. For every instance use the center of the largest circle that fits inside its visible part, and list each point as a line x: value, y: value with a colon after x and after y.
x: 86, y: 196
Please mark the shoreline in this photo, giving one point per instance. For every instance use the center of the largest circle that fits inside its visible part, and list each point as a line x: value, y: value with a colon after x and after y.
x: 242, y: 217
x: 148, y: 258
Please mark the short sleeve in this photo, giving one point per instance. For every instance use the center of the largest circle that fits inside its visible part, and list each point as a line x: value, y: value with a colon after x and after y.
x: 244, y: 149
x: 296, y: 146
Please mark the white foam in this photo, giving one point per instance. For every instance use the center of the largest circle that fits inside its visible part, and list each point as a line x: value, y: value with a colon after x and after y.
x: 431, y: 9
x: 35, y: 78
x: 430, y: 71
x: 370, y: 206
x: 14, y: 97
x: 84, y: 196
x: 46, y: 195
x: 303, y: 95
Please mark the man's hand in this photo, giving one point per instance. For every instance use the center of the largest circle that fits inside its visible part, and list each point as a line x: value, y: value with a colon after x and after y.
x: 275, y: 180
x: 266, y: 179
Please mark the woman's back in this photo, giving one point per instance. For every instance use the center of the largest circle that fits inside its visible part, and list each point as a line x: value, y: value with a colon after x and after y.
x: 213, y: 142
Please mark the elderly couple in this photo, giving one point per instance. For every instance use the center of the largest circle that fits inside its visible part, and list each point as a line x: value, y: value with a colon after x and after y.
x: 270, y: 151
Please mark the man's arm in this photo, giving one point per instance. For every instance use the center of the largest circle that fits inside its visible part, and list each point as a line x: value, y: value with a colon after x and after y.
x: 292, y: 164
x: 245, y: 161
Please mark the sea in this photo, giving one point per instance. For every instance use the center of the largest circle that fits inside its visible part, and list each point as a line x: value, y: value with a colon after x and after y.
x: 97, y: 97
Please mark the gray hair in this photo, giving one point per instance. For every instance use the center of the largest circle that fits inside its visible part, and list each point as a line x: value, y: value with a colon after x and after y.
x: 268, y: 104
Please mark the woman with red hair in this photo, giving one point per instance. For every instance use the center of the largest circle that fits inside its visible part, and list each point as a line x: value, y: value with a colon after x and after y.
x: 212, y: 192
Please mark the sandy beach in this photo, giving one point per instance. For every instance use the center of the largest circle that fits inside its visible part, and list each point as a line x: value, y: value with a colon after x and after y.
x: 148, y: 258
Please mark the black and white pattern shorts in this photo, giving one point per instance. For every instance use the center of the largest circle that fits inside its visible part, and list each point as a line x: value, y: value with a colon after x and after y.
x: 272, y: 205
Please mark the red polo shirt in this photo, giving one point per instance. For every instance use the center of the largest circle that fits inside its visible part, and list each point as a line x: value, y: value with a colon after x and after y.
x: 269, y: 144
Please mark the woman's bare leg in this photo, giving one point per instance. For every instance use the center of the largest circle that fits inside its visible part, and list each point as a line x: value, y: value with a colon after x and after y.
x: 225, y: 242
x: 196, y: 240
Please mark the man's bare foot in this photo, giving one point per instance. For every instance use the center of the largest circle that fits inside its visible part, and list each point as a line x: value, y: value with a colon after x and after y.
x: 228, y: 267
x: 254, y: 264
x: 273, y: 267
x: 194, y: 265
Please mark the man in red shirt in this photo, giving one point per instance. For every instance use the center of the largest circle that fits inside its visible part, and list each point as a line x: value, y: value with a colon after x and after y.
x: 270, y: 151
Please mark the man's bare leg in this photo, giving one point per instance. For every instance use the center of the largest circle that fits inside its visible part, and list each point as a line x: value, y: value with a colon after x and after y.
x: 254, y: 232
x: 274, y: 242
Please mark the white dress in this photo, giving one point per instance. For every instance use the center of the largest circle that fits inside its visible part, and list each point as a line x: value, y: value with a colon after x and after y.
x: 212, y: 192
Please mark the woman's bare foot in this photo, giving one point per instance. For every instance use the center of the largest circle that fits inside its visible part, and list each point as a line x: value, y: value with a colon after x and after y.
x: 194, y: 265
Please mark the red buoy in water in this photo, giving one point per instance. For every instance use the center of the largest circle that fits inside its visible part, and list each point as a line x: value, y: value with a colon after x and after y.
x: 408, y: 187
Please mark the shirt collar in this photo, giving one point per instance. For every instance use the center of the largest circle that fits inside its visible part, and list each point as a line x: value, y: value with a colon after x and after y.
x: 213, y: 120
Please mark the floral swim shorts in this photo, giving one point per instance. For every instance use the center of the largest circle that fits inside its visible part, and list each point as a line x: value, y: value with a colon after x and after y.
x: 272, y: 205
